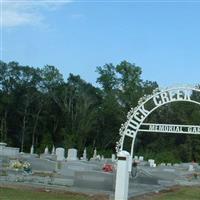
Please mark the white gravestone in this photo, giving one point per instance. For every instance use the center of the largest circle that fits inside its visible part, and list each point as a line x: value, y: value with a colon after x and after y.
x: 135, y: 157
x: 95, y: 154
x: 60, y: 153
x: 152, y: 163
x: 8, y: 151
x: 98, y: 157
x: 2, y: 146
x: 190, y: 168
x: 113, y: 158
x: 85, y: 154
x: 32, y: 150
x: 141, y: 158
x: 176, y: 165
x: 162, y: 164
x: 53, y: 152
x: 72, y: 154
x: 46, y: 151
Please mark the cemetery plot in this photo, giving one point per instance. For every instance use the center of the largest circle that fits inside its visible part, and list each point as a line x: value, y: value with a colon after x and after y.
x: 49, y: 170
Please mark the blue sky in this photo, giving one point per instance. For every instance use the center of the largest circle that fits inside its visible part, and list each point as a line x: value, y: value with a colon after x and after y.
x: 76, y: 36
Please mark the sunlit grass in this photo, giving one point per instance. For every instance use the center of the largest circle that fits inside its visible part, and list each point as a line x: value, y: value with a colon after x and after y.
x: 24, y: 194
x: 184, y: 193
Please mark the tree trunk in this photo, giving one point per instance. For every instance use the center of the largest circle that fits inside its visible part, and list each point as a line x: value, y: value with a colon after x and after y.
x: 3, y: 129
x: 23, y: 133
x: 1, y: 140
x: 5, y: 126
x: 35, y: 126
x: 23, y: 129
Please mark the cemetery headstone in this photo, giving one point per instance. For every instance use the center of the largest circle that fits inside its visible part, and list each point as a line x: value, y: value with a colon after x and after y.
x: 98, y: 157
x: 72, y: 155
x: 53, y: 152
x: 60, y: 153
x: 46, y: 150
x: 141, y: 158
x: 8, y: 151
x: 95, y: 154
x: 162, y: 164
x: 135, y: 157
x: 2, y: 145
x: 151, y: 163
x: 176, y: 165
x: 32, y: 150
x: 85, y: 154
x: 190, y: 168
x: 113, y: 158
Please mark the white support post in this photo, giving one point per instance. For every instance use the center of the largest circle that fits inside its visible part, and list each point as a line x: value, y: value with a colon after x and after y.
x: 122, y: 176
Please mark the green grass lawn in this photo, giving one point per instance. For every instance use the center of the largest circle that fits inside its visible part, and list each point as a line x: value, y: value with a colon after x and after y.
x: 20, y: 194
x: 176, y: 193
x: 184, y: 193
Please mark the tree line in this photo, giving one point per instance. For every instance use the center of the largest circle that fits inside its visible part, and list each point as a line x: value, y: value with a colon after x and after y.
x: 38, y: 107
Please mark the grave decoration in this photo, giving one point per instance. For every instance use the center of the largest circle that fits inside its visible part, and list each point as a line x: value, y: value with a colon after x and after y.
x: 19, y: 165
x: 27, y: 167
x: 108, y: 168
x: 16, y: 165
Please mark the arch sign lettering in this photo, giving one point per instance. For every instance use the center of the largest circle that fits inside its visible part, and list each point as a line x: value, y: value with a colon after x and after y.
x: 134, y: 124
x: 150, y: 103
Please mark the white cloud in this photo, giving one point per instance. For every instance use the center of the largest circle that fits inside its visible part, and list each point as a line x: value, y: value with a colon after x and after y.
x: 23, y: 13
x: 12, y: 17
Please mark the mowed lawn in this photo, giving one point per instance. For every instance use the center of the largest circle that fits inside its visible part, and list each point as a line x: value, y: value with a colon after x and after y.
x: 26, y: 194
x: 184, y: 193
x: 176, y: 193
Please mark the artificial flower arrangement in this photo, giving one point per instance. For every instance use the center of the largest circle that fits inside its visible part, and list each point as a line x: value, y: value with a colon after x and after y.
x: 27, y: 166
x: 18, y: 165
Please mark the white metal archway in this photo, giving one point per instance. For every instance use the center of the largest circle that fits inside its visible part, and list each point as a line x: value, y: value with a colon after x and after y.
x: 134, y: 124
x: 150, y: 103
